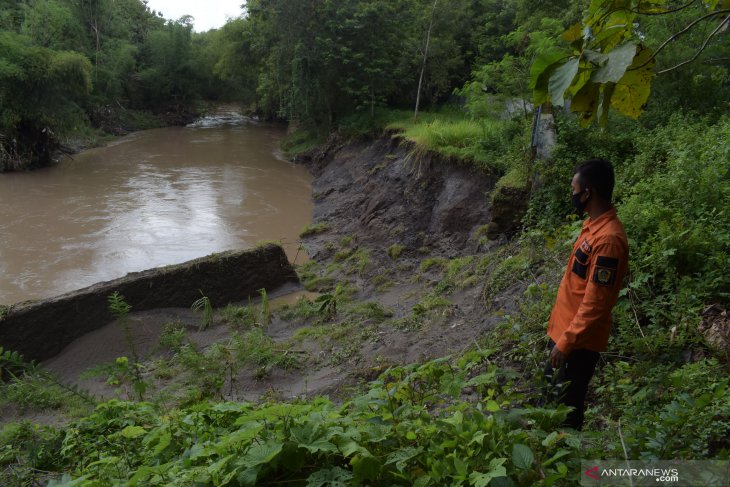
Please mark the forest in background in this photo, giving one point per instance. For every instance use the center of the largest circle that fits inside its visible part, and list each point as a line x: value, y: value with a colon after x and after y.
x: 70, y: 65
x: 355, y: 67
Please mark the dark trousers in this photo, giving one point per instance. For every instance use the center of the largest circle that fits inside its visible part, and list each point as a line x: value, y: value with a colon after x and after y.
x: 569, y: 384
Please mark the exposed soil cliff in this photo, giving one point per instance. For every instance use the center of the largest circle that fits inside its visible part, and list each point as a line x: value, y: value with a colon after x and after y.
x: 388, y: 191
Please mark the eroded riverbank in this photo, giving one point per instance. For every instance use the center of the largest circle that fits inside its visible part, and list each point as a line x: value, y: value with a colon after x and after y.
x: 401, y: 272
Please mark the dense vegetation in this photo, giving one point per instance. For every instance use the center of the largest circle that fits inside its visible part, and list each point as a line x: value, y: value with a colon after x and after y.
x: 355, y: 66
x: 69, y: 66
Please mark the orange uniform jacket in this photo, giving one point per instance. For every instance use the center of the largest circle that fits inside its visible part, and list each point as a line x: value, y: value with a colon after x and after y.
x: 581, y: 317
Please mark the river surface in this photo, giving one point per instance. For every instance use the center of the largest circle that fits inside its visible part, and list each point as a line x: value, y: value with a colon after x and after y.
x: 153, y: 198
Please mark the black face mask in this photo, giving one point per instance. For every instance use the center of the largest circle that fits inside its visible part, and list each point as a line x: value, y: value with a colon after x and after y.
x: 580, y: 207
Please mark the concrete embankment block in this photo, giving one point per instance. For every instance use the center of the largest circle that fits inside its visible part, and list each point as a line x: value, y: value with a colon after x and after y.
x: 41, y: 329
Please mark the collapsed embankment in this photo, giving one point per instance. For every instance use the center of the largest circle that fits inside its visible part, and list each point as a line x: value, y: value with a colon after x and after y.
x: 388, y: 191
x: 41, y: 329
x: 403, y: 231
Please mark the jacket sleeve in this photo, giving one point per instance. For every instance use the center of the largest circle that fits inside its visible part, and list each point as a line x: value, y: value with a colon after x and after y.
x: 605, y: 276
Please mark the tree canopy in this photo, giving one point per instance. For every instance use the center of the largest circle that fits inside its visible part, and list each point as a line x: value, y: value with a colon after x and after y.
x: 614, y: 54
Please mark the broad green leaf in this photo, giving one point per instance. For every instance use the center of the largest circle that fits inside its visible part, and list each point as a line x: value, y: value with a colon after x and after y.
x: 401, y: 457
x: 573, y: 442
x: 595, y: 57
x: 633, y: 89
x: 561, y: 79
x: 215, y: 469
x: 482, y: 379
x: 580, y: 80
x: 133, y: 431
x: 618, y: 60
x: 455, y: 419
x: 365, y: 467
x: 422, y: 481
x: 350, y: 447
x: 248, y: 477
x: 542, y: 64
x: 262, y: 454
x: 330, y: 477
x: 585, y: 103
x: 492, y: 406
x: 522, y: 456
x: 549, y: 439
x: 496, y: 469
x: 477, y: 438
x: 164, y: 442
x: 227, y: 479
x: 502, y: 482
x: 608, y: 37
x: 462, y: 469
x: 239, y: 437
x: 573, y: 33
x: 320, y: 445
x: 558, y: 455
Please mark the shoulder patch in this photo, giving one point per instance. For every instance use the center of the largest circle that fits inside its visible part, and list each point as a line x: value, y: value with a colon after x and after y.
x: 605, y: 270
x: 607, y: 262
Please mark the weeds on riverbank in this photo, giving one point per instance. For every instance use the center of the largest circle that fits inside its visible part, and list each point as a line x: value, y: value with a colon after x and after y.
x: 415, y: 426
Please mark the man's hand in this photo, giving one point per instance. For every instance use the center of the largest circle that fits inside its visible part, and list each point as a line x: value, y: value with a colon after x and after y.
x: 557, y: 358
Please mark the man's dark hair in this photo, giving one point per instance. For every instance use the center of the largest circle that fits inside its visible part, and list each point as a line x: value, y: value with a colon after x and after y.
x: 598, y: 174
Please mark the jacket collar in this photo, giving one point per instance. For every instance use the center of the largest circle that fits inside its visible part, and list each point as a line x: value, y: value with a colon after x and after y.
x: 595, y: 225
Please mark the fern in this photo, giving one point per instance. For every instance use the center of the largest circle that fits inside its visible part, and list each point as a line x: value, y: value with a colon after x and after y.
x: 13, y: 365
x: 118, y: 307
x: 203, y: 304
x: 265, y: 308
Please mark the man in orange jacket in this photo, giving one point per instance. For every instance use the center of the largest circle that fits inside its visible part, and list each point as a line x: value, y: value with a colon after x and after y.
x: 580, y: 322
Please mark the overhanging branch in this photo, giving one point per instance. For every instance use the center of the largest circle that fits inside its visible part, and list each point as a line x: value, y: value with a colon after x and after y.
x: 702, y: 48
x: 665, y: 12
x: 683, y: 31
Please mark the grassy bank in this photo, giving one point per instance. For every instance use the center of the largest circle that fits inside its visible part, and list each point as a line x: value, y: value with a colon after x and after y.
x: 488, y: 143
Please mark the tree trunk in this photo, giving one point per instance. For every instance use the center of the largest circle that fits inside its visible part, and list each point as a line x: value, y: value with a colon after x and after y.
x: 425, y: 58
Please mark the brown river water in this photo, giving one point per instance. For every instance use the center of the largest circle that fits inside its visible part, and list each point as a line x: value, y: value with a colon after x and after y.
x: 152, y: 198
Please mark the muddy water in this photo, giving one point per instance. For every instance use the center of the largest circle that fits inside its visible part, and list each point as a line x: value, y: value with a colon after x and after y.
x: 153, y: 198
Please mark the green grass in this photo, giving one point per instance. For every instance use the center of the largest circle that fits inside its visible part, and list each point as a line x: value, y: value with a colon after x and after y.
x: 516, y: 178
x: 395, y: 251
x: 449, y: 131
x: 239, y: 317
x: 314, y: 229
x: 456, y: 266
x: 302, y: 141
x: 358, y: 261
x: 370, y: 310
x: 431, y: 263
x: 455, y: 135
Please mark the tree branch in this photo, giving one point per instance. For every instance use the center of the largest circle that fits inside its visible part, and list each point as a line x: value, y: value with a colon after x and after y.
x: 683, y: 31
x: 719, y: 60
x: 702, y: 48
x: 665, y: 12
